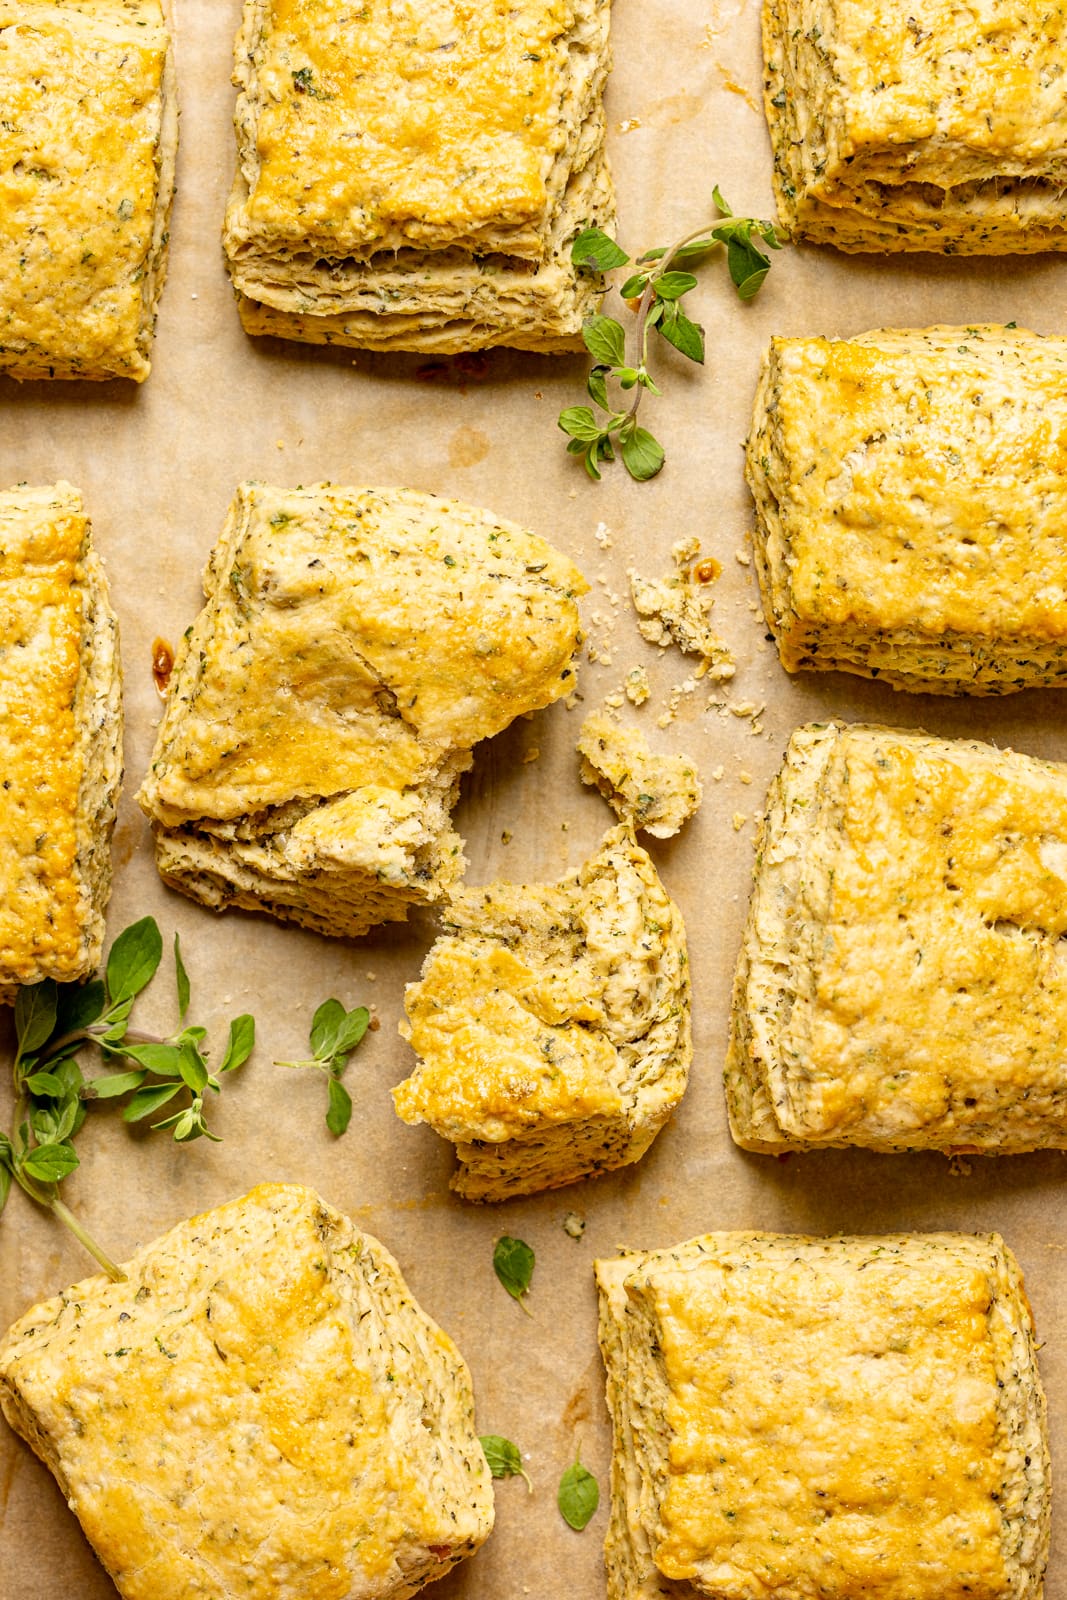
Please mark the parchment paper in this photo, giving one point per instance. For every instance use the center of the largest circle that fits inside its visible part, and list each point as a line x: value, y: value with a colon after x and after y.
x: 158, y: 466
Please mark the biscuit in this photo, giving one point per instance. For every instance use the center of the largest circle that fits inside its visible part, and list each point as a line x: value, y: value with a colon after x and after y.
x: 941, y: 131
x: 444, y: 163
x: 60, y: 739
x: 839, y: 1417
x: 909, y: 509
x: 260, y: 1408
x: 901, y: 983
x: 552, y: 1025
x: 88, y: 141
x: 355, y: 644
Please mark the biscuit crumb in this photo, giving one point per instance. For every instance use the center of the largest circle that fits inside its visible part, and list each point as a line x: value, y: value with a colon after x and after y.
x: 739, y: 820
x: 637, y: 686
x: 602, y: 536
x: 573, y: 1225
x: 656, y: 793
x: 533, y: 754
x: 677, y: 610
x: 506, y: 836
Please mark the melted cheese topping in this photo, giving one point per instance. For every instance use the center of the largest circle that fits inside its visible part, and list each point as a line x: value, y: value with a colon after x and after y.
x: 494, y: 1059
x: 80, y: 88
x: 351, y: 638
x: 920, y: 479
x: 951, y: 93
x: 832, y: 1431
x: 41, y: 912
x: 381, y: 113
x: 927, y: 959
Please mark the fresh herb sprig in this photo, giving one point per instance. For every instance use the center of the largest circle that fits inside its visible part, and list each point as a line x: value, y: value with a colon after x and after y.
x: 658, y: 287
x: 335, y: 1033
x: 53, y: 1025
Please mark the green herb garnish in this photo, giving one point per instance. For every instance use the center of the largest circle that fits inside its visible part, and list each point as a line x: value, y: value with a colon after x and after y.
x: 513, y: 1263
x: 578, y: 1496
x: 54, y: 1023
x: 503, y: 1457
x: 335, y: 1033
x: 659, y: 288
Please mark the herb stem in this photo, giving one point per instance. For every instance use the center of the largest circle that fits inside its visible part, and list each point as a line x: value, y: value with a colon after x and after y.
x: 53, y: 1203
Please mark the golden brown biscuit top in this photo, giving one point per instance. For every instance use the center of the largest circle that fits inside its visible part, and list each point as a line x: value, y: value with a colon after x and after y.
x: 435, y: 115
x: 43, y: 535
x: 80, y: 90
x: 832, y: 1430
x: 351, y: 638
x: 925, y: 476
x: 219, y: 1405
x: 955, y: 92
x: 945, y: 874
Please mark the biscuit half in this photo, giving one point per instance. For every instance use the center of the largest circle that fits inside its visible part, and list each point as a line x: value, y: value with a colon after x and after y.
x: 355, y: 645
x: 60, y: 739
x: 841, y: 1417
x: 898, y: 131
x: 901, y: 982
x: 88, y: 142
x: 552, y: 1025
x: 260, y: 1407
x: 909, y: 510
x: 445, y: 160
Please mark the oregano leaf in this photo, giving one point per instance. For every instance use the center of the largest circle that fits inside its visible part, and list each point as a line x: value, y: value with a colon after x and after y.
x: 133, y: 960
x: 578, y: 1496
x: 513, y: 1263
x: 593, y: 248
x: 605, y: 340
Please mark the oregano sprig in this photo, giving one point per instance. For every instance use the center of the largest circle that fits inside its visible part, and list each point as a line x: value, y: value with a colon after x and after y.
x: 335, y: 1033
x: 53, y: 1025
x: 659, y: 287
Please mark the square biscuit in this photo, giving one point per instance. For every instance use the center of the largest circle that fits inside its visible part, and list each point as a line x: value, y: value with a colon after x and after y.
x: 88, y: 140
x: 355, y: 645
x: 60, y: 738
x: 260, y: 1409
x: 940, y: 130
x: 901, y: 982
x: 841, y: 1417
x: 910, y: 501
x: 552, y: 1025
x: 412, y: 178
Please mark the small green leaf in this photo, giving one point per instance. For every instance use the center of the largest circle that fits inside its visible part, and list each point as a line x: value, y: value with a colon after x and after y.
x: 748, y: 267
x: 634, y: 287
x: 351, y: 1030
x: 339, y: 1111
x: 35, y: 1014
x: 116, y: 1018
x: 5, y: 1181
x: 133, y: 960
x: 324, y: 1028
x: 193, y: 1068
x: 67, y: 1120
x: 240, y: 1044
x: 148, y: 1100
x: 596, y: 384
x: 674, y: 284
x: 642, y: 455
x: 578, y: 1496
x: 113, y: 1084
x: 686, y: 336
x: 605, y: 340
x: 44, y: 1083
x: 513, y: 1263
x: 720, y: 204
x: 580, y: 423
x: 503, y: 1457
x: 181, y: 978
x: 165, y: 1060
x: 50, y: 1163
x: 593, y: 248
